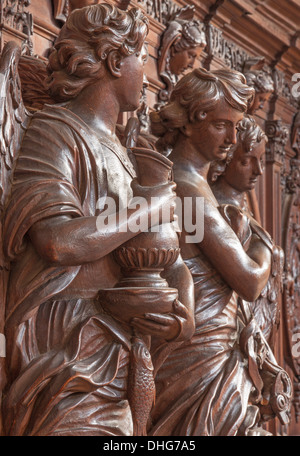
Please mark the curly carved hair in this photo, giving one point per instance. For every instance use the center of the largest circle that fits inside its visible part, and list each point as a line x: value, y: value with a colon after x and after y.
x: 84, y: 42
x: 197, y: 93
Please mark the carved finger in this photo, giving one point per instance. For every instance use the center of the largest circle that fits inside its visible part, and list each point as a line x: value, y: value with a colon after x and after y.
x: 159, y: 318
x: 150, y: 327
x: 180, y: 309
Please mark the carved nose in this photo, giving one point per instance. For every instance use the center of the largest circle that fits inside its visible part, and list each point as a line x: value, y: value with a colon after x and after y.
x: 259, y: 169
x: 231, y: 137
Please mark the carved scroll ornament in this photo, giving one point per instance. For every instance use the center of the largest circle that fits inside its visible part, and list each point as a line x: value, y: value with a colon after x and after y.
x: 278, y: 136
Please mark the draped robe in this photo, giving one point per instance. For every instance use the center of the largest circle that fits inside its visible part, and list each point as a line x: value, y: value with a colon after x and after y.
x: 203, y: 386
x: 67, y: 359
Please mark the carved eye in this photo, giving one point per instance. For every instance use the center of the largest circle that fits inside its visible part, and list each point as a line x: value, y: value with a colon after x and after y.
x: 146, y: 353
x: 220, y: 125
x: 245, y: 162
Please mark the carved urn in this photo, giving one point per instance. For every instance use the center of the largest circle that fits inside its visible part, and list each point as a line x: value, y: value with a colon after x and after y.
x: 143, y: 258
x: 142, y: 290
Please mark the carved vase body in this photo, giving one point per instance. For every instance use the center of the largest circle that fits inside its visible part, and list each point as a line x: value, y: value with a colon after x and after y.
x: 143, y: 258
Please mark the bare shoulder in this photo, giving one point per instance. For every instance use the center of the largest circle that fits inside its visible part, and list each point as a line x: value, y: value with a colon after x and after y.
x: 189, y: 184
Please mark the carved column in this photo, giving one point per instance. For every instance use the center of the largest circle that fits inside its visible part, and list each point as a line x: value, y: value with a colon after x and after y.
x: 277, y: 133
x: 291, y: 243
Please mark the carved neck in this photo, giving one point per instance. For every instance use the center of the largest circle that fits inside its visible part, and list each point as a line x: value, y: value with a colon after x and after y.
x: 98, y: 107
x: 226, y: 194
x: 188, y: 157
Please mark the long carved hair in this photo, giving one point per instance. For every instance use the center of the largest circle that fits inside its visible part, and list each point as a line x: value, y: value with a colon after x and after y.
x: 84, y: 42
x: 197, y: 93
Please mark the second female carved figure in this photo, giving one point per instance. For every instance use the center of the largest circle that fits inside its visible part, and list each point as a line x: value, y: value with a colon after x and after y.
x: 67, y: 359
x: 207, y: 386
x: 239, y: 175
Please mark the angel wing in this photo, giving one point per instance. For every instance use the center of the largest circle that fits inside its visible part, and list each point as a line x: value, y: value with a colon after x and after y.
x: 33, y: 75
x: 13, y: 116
x: 14, y: 119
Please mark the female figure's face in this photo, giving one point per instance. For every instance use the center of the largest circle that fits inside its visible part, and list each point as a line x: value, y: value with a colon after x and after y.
x: 259, y: 101
x: 245, y: 167
x: 182, y: 60
x: 213, y: 136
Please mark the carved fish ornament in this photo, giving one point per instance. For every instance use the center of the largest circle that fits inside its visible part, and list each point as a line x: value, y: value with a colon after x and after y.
x: 141, y: 386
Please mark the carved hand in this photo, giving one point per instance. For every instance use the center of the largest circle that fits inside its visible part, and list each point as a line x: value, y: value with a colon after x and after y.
x: 167, y: 326
x: 160, y: 199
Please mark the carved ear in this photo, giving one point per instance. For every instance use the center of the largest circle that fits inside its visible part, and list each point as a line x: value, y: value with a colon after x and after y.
x: 186, y: 130
x: 114, y: 63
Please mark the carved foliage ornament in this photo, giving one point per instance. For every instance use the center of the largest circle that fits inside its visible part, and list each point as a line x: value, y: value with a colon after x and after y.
x: 217, y: 46
x: 15, y: 16
x: 295, y: 134
x: 161, y: 10
x: 278, y: 134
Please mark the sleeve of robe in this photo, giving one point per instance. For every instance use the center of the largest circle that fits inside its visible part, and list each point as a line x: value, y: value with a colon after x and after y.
x: 46, y: 180
x: 49, y: 178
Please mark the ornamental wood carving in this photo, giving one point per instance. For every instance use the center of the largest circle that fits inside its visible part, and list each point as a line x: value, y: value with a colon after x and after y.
x: 291, y: 245
x: 259, y: 77
x: 181, y: 45
x: 15, y: 16
x: 278, y: 135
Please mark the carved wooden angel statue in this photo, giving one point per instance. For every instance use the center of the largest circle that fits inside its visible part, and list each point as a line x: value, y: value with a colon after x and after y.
x: 68, y: 360
x: 207, y: 386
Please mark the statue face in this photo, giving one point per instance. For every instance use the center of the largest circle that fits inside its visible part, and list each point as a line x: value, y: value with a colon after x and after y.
x: 216, y: 133
x: 245, y: 168
x: 259, y: 101
x: 132, y: 80
x: 182, y: 60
